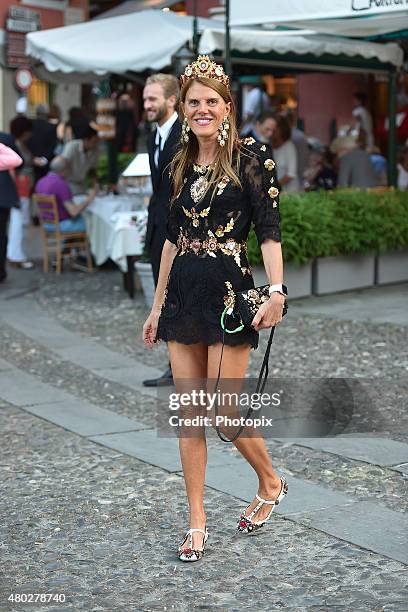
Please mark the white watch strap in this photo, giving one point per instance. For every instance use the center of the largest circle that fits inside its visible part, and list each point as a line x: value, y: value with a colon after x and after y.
x: 277, y: 287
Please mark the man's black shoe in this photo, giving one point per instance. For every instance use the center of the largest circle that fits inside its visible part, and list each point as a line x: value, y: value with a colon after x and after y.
x: 165, y: 380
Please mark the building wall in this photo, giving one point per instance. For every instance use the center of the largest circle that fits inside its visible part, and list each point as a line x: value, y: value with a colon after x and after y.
x: 323, y: 97
x: 50, y: 17
x: 65, y: 95
x: 202, y: 6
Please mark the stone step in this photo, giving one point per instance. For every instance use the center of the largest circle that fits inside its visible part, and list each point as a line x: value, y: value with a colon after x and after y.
x: 374, y: 450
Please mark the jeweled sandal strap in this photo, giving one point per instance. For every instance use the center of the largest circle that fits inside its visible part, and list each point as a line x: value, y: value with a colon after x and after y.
x: 199, y: 530
x: 265, y: 501
x: 255, y: 510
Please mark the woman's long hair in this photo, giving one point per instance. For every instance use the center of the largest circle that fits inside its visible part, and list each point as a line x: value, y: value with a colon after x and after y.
x: 188, y: 153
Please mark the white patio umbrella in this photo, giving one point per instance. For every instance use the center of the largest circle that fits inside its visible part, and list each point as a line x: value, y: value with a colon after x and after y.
x: 145, y: 40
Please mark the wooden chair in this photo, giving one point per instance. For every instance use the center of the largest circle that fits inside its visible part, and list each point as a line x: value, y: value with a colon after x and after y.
x: 381, y: 189
x: 55, y: 240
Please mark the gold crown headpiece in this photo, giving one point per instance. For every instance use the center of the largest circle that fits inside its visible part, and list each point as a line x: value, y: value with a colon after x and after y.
x: 204, y: 67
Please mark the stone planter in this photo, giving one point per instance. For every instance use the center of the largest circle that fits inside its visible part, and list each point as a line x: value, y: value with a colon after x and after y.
x: 342, y: 273
x: 145, y: 273
x: 392, y: 267
x: 297, y: 279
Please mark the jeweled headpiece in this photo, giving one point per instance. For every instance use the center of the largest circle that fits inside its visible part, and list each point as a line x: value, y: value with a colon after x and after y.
x: 205, y: 67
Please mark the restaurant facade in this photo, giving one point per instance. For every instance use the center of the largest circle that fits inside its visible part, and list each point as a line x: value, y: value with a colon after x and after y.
x: 18, y: 75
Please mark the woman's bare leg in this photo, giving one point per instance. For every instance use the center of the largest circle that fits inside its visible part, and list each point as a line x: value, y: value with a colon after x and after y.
x: 189, y: 364
x: 234, y: 365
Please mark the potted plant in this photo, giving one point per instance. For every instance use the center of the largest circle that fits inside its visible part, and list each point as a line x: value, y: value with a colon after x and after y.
x: 144, y: 270
x: 340, y: 240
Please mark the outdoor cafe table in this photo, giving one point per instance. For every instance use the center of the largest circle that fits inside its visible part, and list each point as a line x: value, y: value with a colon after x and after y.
x: 116, y: 229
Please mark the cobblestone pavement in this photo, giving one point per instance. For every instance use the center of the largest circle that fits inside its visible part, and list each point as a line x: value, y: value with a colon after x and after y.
x: 102, y: 527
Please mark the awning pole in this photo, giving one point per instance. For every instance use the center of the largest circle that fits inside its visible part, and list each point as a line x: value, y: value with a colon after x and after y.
x: 227, y: 38
x: 392, y: 131
x: 195, y: 28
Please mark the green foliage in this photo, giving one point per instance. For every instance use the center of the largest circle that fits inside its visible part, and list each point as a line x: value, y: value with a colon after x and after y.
x: 124, y: 160
x: 144, y: 257
x: 341, y: 222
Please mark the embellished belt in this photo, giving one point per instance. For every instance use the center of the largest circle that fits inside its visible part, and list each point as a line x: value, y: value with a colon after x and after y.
x: 210, y: 245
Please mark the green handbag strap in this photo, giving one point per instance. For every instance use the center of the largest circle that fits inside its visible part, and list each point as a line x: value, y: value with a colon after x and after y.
x: 227, y: 310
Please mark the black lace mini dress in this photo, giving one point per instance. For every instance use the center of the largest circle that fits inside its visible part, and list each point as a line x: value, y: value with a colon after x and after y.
x: 211, y: 260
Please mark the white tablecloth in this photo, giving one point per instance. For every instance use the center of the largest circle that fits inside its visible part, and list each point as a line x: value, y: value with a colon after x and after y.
x: 116, y: 227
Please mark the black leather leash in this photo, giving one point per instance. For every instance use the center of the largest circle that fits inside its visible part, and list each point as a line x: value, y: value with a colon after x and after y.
x: 260, y: 385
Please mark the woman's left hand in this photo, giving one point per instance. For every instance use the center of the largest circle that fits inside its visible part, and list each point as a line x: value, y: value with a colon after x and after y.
x: 270, y: 313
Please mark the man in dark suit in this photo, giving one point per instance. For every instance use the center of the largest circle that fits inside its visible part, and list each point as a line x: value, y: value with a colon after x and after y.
x: 43, y: 140
x: 160, y: 98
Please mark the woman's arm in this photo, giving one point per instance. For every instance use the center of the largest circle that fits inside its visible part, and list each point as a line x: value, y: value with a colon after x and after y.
x: 150, y: 327
x: 272, y: 258
x: 270, y: 313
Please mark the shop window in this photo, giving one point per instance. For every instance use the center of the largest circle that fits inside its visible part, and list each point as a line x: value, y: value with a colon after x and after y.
x: 39, y: 93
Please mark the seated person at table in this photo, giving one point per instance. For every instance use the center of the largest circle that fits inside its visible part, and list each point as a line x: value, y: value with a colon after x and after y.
x: 82, y: 155
x: 55, y: 183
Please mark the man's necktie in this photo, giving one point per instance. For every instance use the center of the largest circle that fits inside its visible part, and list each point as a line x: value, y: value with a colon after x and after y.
x: 157, y: 151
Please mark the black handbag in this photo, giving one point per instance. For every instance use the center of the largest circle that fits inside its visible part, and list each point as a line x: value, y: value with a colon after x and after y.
x: 244, y: 305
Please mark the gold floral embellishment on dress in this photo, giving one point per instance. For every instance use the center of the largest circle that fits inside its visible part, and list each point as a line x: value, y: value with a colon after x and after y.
x: 211, y: 244
x: 249, y: 140
x: 229, y: 299
x: 222, y: 185
x: 234, y: 248
x: 194, y: 215
x: 221, y: 230
x: 263, y: 148
x: 269, y: 164
x: 273, y: 192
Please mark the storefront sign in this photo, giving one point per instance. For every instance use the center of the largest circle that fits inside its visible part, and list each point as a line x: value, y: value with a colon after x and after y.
x: 261, y: 11
x: 368, y: 5
x: 19, y: 22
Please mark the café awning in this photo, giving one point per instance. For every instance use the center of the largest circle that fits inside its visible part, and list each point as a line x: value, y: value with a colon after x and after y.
x: 303, y: 47
x: 351, y: 18
x: 147, y: 40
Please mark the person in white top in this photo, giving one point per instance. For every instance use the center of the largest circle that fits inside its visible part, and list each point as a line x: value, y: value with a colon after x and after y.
x: 302, y: 147
x: 403, y: 171
x: 256, y: 102
x: 285, y: 156
x: 363, y: 116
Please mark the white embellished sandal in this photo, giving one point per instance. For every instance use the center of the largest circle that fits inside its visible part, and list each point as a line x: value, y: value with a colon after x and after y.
x: 247, y: 525
x: 190, y: 553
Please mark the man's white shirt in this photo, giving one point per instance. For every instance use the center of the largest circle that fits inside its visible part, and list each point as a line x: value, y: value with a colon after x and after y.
x: 162, y: 133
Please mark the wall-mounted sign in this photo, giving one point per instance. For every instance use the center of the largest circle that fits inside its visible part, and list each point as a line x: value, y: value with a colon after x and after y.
x: 19, y: 22
x: 73, y: 15
x: 24, y: 78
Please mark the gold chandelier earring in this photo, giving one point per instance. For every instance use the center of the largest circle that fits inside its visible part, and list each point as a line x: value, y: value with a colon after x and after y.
x: 223, y: 132
x: 185, y: 128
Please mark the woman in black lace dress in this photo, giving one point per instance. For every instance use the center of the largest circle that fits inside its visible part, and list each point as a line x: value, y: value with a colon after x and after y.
x: 221, y: 186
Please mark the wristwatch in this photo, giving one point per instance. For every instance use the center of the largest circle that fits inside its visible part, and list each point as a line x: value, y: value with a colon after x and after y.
x: 278, y: 288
